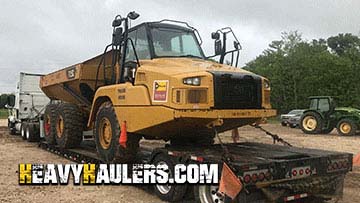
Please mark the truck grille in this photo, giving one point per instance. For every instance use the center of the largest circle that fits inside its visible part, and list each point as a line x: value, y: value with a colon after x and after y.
x: 236, y: 91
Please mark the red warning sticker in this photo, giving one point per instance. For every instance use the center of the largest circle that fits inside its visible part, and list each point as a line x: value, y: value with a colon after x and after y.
x: 160, y: 90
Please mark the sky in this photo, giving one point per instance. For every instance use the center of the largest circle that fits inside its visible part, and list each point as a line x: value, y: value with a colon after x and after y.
x: 43, y: 36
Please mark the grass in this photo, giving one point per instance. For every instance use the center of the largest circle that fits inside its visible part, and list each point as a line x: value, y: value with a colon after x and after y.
x: 3, y: 113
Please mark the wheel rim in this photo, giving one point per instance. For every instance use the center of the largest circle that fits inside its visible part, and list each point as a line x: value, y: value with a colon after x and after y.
x: 345, y: 128
x: 47, y: 125
x: 309, y: 123
x: 105, y: 134
x: 60, y: 126
x: 210, y: 194
x: 163, y: 188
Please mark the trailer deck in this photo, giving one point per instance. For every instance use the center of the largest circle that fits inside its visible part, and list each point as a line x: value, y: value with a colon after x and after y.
x: 318, y: 172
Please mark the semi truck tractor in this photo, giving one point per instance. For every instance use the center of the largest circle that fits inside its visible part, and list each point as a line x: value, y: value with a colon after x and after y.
x: 30, y: 102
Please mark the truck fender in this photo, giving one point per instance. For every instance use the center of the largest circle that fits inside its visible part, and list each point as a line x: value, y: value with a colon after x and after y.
x: 321, y: 115
x: 94, y: 108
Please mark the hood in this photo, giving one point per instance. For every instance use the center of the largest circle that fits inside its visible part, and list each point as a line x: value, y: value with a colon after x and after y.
x: 177, y: 66
x: 348, y: 109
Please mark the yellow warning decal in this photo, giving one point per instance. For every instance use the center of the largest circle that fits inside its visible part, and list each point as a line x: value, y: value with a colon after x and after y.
x: 160, y: 90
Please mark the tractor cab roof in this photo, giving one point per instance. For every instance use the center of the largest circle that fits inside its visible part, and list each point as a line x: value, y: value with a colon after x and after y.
x: 322, y: 97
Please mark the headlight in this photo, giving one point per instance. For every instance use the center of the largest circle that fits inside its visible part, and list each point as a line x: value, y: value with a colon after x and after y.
x: 196, y: 81
x: 266, y: 84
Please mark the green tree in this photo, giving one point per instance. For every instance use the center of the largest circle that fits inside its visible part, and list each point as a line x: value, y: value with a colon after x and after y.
x: 298, y: 69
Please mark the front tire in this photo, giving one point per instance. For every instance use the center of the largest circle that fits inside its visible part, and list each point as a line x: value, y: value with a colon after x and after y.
x: 311, y: 123
x: 346, y: 127
x: 107, y: 133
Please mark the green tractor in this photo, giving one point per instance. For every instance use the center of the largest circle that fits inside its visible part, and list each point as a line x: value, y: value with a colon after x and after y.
x: 323, y: 116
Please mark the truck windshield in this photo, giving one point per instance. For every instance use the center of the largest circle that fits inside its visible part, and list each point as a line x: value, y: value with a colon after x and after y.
x: 169, y: 42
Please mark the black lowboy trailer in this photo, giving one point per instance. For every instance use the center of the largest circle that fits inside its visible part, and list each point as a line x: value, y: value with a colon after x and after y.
x: 269, y: 173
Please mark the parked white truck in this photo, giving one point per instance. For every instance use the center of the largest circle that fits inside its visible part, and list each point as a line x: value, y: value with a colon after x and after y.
x: 26, y: 115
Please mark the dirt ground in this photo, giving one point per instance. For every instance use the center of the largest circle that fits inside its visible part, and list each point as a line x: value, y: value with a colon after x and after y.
x: 13, y: 150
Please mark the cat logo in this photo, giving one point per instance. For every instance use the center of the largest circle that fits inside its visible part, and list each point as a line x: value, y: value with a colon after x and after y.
x: 160, y: 90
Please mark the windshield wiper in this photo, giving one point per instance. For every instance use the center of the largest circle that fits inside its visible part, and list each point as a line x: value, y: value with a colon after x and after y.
x: 180, y: 56
x: 191, y: 56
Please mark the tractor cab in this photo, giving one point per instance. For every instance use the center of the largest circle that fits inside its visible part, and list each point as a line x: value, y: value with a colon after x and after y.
x: 323, y: 104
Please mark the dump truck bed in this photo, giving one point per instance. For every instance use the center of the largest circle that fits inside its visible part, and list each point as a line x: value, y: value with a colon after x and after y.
x: 76, y: 83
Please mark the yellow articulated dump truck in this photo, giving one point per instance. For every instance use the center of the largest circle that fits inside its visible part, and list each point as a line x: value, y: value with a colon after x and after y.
x: 154, y: 82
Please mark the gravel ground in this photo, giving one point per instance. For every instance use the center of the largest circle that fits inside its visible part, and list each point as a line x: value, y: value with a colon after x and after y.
x: 13, y: 150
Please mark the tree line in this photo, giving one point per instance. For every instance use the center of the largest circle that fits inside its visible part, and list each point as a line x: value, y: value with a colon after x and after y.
x: 298, y: 68
x: 7, y: 99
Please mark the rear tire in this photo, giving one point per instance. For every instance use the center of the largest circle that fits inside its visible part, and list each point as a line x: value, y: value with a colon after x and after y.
x: 49, y: 123
x: 311, y: 123
x: 107, y: 132
x: 167, y: 192
x: 23, y: 128
x: 31, y: 133
x: 346, y: 127
x: 69, y: 126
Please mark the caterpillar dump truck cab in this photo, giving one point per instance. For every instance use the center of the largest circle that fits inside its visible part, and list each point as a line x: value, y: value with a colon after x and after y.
x: 153, y: 81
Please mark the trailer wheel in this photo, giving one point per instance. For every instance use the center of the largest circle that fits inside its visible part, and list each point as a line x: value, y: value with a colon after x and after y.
x: 169, y: 192
x: 23, y: 130
x: 346, y: 127
x: 68, y: 125
x: 107, y: 132
x: 31, y: 133
x: 311, y: 123
x: 49, y: 123
x: 208, y: 194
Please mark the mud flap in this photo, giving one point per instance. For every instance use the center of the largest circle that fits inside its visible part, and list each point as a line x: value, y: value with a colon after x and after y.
x: 230, y: 185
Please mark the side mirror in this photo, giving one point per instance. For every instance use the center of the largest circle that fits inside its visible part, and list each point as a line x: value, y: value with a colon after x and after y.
x: 215, y: 36
x: 11, y: 100
x: 117, y: 36
x: 133, y: 15
x: 218, y: 47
